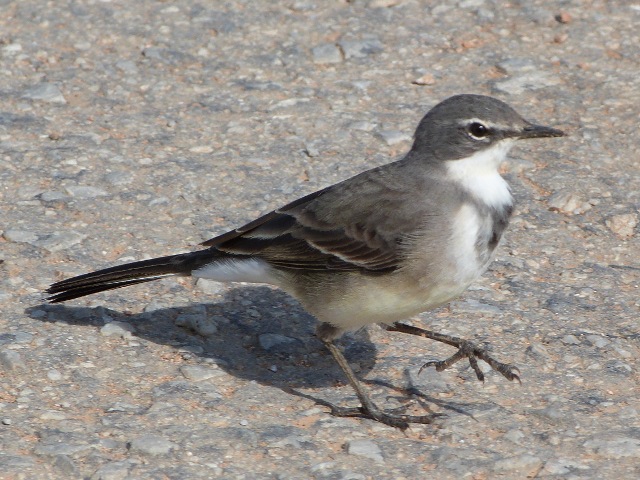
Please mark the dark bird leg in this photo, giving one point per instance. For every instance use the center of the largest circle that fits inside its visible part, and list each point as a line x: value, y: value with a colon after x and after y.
x: 368, y: 408
x: 466, y: 349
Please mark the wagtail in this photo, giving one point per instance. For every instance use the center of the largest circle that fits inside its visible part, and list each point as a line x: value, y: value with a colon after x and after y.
x: 379, y: 247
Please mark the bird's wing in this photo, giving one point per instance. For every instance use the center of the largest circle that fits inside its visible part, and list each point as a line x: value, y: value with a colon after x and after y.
x: 338, y: 228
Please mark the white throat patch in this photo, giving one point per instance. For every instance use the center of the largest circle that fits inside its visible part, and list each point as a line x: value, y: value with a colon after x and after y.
x: 479, y: 175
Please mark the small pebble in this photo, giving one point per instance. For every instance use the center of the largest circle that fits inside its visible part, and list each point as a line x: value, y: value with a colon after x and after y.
x: 393, y: 137
x: 597, y: 341
x: 118, y: 470
x: 514, y: 436
x: 623, y: 225
x: 154, y: 305
x: 65, y: 465
x: 525, y: 465
x: 45, y: 92
x: 201, y: 149
x: 551, y: 413
x: 568, y: 202
x: 273, y: 341
x: 562, y: 467
x: 326, y: 53
x: 198, y: 373
x: 287, y: 103
x: 12, y: 49
x: 619, y: 367
x: 364, y: 126
x: 152, y: 445
x: 365, y: 448
x: 570, y: 340
x: 118, y: 178
x: 470, y: 3
x: 85, y: 191
x: 11, y: 360
x: 20, y: 236
x: 54, y: 375
x: 311, y: 150
x: 53, y: 415
x: 383, y: 3
x: 195, y: 349
x: 426, y: 79
x: 210, y: 287
x: 564, y: 17
x: 360, y: 48
x: 614, y: 447
x: 530, y: 81
x: 61, y: 448
x: 622, y: 352
x: 538, y: 350
x: 52, y: 196
x: 199, y: 323
x: 512, y: 66
x: 57, y: 241
x: 127, y: 66
x: 119, y: 329
x: 471, y: 306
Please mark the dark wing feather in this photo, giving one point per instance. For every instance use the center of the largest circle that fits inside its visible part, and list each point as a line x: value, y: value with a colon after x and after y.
x: 271, y: 221
x: 301, y: 236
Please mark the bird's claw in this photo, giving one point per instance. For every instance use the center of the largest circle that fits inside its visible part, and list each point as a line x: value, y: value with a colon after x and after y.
x: 471, y: 352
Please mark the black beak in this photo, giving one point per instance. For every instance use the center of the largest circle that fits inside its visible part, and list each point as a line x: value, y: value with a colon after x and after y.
x: 539, y: 131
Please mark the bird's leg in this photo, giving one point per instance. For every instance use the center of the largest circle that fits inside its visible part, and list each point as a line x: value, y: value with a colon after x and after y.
x: 368, y: 408
x: 466, y: 349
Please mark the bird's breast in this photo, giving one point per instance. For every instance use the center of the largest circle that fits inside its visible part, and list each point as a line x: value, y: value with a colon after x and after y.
x: 474, y: 236
x: 447, y: 259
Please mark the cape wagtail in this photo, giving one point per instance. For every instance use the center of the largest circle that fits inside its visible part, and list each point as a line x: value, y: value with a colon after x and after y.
x: 379, y: 247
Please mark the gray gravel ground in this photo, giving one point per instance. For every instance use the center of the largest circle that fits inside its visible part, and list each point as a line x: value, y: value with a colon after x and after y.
x: 137, y: 129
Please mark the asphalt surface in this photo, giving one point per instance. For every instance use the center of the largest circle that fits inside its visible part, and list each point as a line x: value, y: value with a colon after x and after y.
x: 138, y: 129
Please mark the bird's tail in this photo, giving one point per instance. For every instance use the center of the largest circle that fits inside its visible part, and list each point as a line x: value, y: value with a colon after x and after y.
x: 128, y: 274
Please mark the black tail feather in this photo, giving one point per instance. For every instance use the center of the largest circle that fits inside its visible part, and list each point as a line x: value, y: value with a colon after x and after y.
x: 77, y: 292
x: 128, y: 274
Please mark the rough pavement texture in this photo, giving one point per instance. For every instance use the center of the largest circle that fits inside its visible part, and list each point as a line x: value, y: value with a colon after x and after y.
x: 137, y: 129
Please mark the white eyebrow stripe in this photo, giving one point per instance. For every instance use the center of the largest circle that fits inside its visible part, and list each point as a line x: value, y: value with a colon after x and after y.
x: 486, y: 123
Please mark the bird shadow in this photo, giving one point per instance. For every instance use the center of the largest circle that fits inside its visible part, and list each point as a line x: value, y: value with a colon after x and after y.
x: 260, y: 334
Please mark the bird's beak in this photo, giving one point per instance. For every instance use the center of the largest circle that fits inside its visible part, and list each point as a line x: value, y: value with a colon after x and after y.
x: 539, y: 131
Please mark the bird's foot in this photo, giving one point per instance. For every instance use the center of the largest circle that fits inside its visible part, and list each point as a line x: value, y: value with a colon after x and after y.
x: 473, y: 353
x: 368, y: 409
x: 373, y: 412
x: 466, y: 349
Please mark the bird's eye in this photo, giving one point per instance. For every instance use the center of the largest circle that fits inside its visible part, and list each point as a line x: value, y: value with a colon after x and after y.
x: 478, y: 130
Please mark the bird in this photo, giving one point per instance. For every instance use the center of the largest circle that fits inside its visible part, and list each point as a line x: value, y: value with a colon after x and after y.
x: 380, y: 247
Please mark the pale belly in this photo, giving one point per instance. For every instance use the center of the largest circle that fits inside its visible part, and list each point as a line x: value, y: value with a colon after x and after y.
x: 366, y: 300
x: 430, y: 278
